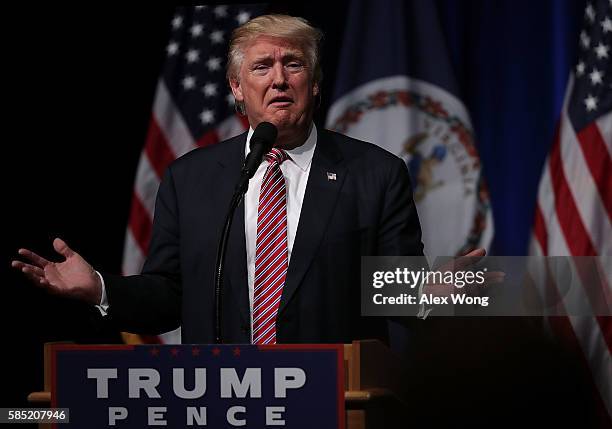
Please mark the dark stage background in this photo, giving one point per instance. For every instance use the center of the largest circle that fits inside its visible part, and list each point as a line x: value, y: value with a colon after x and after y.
x: 80, y: 86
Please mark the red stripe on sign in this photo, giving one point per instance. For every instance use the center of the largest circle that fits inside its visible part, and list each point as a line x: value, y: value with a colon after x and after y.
x: 599, y: 162
x: 539, y: 229
x: 140, y: 224
x: 208, y: 138
x: 157, y: 149
x: 571, y: 224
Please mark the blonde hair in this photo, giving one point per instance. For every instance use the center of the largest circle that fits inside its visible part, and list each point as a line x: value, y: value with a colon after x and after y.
x: 294, y: 29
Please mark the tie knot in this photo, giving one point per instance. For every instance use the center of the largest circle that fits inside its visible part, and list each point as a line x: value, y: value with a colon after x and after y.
x: 276, y: 156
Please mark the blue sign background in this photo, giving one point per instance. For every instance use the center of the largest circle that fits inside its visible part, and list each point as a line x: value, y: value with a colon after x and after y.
x: 319, y: 403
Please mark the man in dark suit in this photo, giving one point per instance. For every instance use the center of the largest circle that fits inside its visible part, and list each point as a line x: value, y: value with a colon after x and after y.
x: 316, y: 204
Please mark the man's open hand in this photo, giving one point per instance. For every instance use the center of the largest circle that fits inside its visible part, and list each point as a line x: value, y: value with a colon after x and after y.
x: 72, y: 278
x: 461, y: 263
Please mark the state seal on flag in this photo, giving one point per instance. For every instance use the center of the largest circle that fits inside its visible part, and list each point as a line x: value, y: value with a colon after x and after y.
x: 430, y: 130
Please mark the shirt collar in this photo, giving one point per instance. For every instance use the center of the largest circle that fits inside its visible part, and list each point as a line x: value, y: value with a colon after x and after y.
x: 301, y: 155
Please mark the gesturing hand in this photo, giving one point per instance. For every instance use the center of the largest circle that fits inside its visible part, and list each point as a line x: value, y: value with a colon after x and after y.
x: 461, y: 263
x: 73, y: 278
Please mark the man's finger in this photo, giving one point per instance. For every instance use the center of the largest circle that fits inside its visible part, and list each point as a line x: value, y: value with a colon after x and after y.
x: 40, y: 281
x: 33, y: 257
x: 62, y: 248
x: 26, y: 268
x: 470, y: 258
x: 37, y: 280
x: 480, y: 252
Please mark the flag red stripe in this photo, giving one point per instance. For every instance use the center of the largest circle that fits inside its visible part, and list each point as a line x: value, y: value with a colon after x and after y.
x: 599, y: 162
x: 140, y: 224
x: 157, y: 149
x: 594, y: 287
x: 576, y: 235
x: 605, y: 323
x: 563, y: 328
x: 209, y: 138
x: 245, y: 121
x: 539, y: 229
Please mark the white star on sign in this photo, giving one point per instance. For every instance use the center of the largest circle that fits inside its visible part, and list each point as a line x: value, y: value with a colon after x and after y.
x: 606, y: 25
x: 595, y: 77
x: 192, y: 56
x: 207, y: 116
x: 230, y: 99
x: 580, y: 68
x: 213, y: 63
x: 590, y: 102
x: 589, y: 12
x: 220, y: 11
x: 177, y: 21
x: 210, y: 89
x: 585, y: 40
x: 216, y: 36
x: 602, y: 50
x: 196, y: 30
x: 242, y: 17
x: 188, y: 82
x: 172, y: 48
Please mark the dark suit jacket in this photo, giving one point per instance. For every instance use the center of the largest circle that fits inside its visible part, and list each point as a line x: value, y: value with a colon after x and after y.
x: 367, y: 210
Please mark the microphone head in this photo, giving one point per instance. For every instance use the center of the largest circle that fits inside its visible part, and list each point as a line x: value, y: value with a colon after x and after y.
x: 265, y: 134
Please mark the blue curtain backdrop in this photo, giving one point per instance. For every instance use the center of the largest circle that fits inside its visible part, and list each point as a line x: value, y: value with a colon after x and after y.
x: 512, y: 62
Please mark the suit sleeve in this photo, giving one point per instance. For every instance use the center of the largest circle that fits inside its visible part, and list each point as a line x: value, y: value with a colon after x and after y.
x: 150, y: 303
x: 399, y: 232
x: 400, y: 235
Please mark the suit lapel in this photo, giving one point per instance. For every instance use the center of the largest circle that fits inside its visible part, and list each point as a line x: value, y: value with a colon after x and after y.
x: 236, y: 261
x: 327, y: 174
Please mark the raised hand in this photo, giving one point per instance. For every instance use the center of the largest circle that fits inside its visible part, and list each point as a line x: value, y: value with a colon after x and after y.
x: 459, y: 264
x: 73, y: 278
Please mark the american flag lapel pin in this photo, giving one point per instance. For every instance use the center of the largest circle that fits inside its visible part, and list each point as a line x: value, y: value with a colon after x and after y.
x: 331, y: 176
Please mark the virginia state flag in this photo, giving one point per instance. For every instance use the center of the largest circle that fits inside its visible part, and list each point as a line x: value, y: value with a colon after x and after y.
x: 395, y: 87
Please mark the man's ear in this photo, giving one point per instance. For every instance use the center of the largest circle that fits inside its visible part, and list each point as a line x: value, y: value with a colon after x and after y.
x: 236, y: 89
x: 315, y: 89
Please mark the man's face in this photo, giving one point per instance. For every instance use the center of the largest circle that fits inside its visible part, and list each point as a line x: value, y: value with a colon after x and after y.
x: 275, y: 84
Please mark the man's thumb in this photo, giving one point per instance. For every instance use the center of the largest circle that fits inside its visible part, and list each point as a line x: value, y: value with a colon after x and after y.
x: 62, y: 248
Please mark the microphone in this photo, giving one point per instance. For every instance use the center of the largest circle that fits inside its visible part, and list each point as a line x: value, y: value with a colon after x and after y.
x: 262, y: 140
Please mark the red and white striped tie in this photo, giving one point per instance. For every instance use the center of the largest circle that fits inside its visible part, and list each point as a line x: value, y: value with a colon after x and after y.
x: 271, y: 252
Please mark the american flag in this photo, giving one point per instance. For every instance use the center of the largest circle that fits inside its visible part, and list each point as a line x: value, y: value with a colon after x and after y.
x: 193, y: 107
x: 574, y: 208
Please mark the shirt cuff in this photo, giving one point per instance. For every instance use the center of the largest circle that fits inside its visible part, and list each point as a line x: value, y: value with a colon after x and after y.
x: 424, y: 309
x: 103, y: 306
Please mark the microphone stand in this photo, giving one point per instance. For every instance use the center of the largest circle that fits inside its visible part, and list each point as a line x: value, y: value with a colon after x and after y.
x: 241, y: 189
x: 261, y: 142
